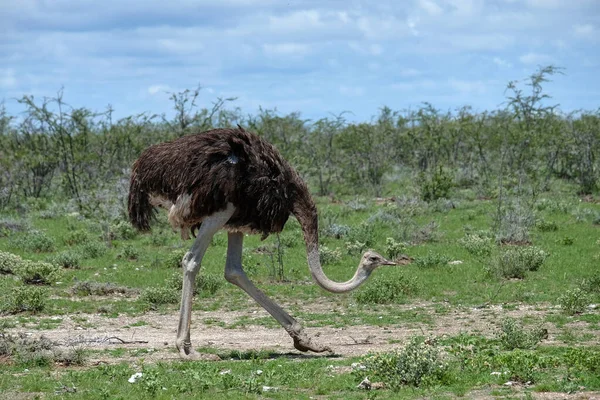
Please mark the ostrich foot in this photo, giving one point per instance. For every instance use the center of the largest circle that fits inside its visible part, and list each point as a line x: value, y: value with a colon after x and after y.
x: 187, y: 352
x: 304, y: 343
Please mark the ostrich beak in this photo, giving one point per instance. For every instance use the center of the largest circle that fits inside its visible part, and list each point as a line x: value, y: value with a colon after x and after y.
x: 388, y: 262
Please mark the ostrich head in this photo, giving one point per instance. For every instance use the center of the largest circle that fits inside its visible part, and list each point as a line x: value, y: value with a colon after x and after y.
x: 371, y: 260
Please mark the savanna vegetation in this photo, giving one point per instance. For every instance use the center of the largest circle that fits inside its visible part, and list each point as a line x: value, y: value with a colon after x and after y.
x: 494, y: 217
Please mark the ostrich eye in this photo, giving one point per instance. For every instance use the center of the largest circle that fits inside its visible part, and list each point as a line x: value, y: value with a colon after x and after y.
x: 372, y: 258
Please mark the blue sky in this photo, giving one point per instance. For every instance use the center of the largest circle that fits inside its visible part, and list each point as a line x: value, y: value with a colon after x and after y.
x: 315, y: 57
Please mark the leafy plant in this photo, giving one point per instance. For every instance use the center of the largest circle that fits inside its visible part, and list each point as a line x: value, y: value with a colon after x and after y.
x: 329, y: 256
x: 394, y: 249
x: 38, y: 272
x: 514, y: 336
x: 420, y: 363
x: 35, y: 241
x: 436, y: 185
x: 67, y: 259
x: 386, y: 290
x: 432, y: 260
x: 9, y: 262
x: 516, y: 261
x: 23, y: 299
x: 574, y: 301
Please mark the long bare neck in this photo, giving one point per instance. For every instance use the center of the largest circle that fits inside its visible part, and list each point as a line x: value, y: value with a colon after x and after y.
x: 306, y: 213
x: 314, y: 263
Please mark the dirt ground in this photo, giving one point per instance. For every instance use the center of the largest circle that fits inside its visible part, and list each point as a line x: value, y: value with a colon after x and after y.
x: 98, y: 332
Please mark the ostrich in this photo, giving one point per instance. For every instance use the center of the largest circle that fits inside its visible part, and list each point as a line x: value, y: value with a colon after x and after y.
x: 234, y: 180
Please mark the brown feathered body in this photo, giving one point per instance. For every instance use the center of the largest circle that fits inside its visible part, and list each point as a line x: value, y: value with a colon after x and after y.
x: 197, y: 175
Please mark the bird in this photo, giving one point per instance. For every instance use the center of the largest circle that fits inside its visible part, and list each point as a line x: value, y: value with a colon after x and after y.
x: 231, y: 179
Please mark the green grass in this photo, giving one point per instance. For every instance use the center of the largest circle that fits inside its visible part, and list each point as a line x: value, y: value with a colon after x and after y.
x: 421, y: 293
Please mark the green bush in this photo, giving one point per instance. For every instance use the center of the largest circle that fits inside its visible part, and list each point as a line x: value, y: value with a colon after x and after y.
x: 24, y: 298
x: 38, y: 272
x: 574, y: 301
x: 173, y: 260
x: 123, y: 230
x: 88, y: 288
x: 129, y: 252
x: 387, y: 290
x: 208, y: 284
x: 514, y: 336
x: 431, y: 260
x: 9, y: 262
x: 160, y: 295
x: 478, y: 245
x: 67, y: 259
x: 394, y: 249
x: 583, y: 359
x: 355, y: 248
x: 77, y: 237
x: 523, y: 365
x: 435, y: 186
x: 36, y: 241
x: 515, y: 261
x: 329, y: 256
x: 92, y: 249
x: 420, y: 363
x: 546, y: 226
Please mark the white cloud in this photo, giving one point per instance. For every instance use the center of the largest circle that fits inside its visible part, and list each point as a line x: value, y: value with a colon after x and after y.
x: 468, y: 87
x: 352, y: 90
x: 414, y: 85
x: 584, y: 30
x: 7, y: 78
x: 286, y: 49
x: 430, y: 7
x: 501, y: 62
x: 154, y: 89
x: 536, y: 58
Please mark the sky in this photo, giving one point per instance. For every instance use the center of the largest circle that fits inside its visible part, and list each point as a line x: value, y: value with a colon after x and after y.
x: 314, y: 57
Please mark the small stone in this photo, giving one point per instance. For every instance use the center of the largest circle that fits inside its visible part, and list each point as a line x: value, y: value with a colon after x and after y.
x: 135, y: 377
x: 225, y: 372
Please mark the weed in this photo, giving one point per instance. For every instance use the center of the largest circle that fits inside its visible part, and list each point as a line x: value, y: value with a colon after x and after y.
x: 431, y: 260
x: 515, y: 261
x: 336, y: 230
x: 67, y: 259
x: 574, y: 301
x: 38, y: 272
x: 479, y: 246
x: 436, y: 185
x: 9, y: 262
x: 35, y: 241
x: 24, y: 298
x: 355, y: 248
x: 77, y: 237
x: 581, y: 359
x: 514, y: 336
x: 420, y: 363
x: 9, y: 226
x: 160, y: 295
x: 546, y: 226
x: 363, y: 233
x: 88, y: 288
x: 522, y: 365
x: 394, y: 249
x: 129, y: 252
x: 92, y: 249
x: 329, y: 256
x: 382, y: 291
x: 173, y: 260
x: 566, y: 241
x: 122, y: 230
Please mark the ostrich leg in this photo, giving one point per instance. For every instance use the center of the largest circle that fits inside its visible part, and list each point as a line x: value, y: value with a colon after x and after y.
x: 191, y: 265
x: 235, y: 274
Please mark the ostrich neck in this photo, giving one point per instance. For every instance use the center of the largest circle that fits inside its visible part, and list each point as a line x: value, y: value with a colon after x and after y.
x: 314, y: 263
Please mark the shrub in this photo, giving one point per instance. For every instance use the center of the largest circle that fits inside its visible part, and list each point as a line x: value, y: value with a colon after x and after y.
x: 394, y: 249
x: 329, y: 256
x: 88, y: 288
x: 92, y: 249
x: 363, y: 233
x: 431, y: 260
x: 387, y: 290
x: 420, y: 363
x: 583, y: 359
x: 122, y: 230
x: 336, y: 230
x: 523, y: 366
x: 435, y: 186
x: 9, y: 262
x: 24, y: 298
x: 591, y: 284
x: 77, y: 237
x: 514, y: 336
x: 129, y: 252
x: 8, y: 226
x: 513, y: 223
x: 355, y: 248
x: 208, y: 284
x: 546, y: 226
x: 574, y: 301
x: 38, y: 272
x: 36, y: 241
x: 173, y: 260
x: 515, y: 261
x: 478, y: 245
x: 67, y: 259
x: 160, y: 295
